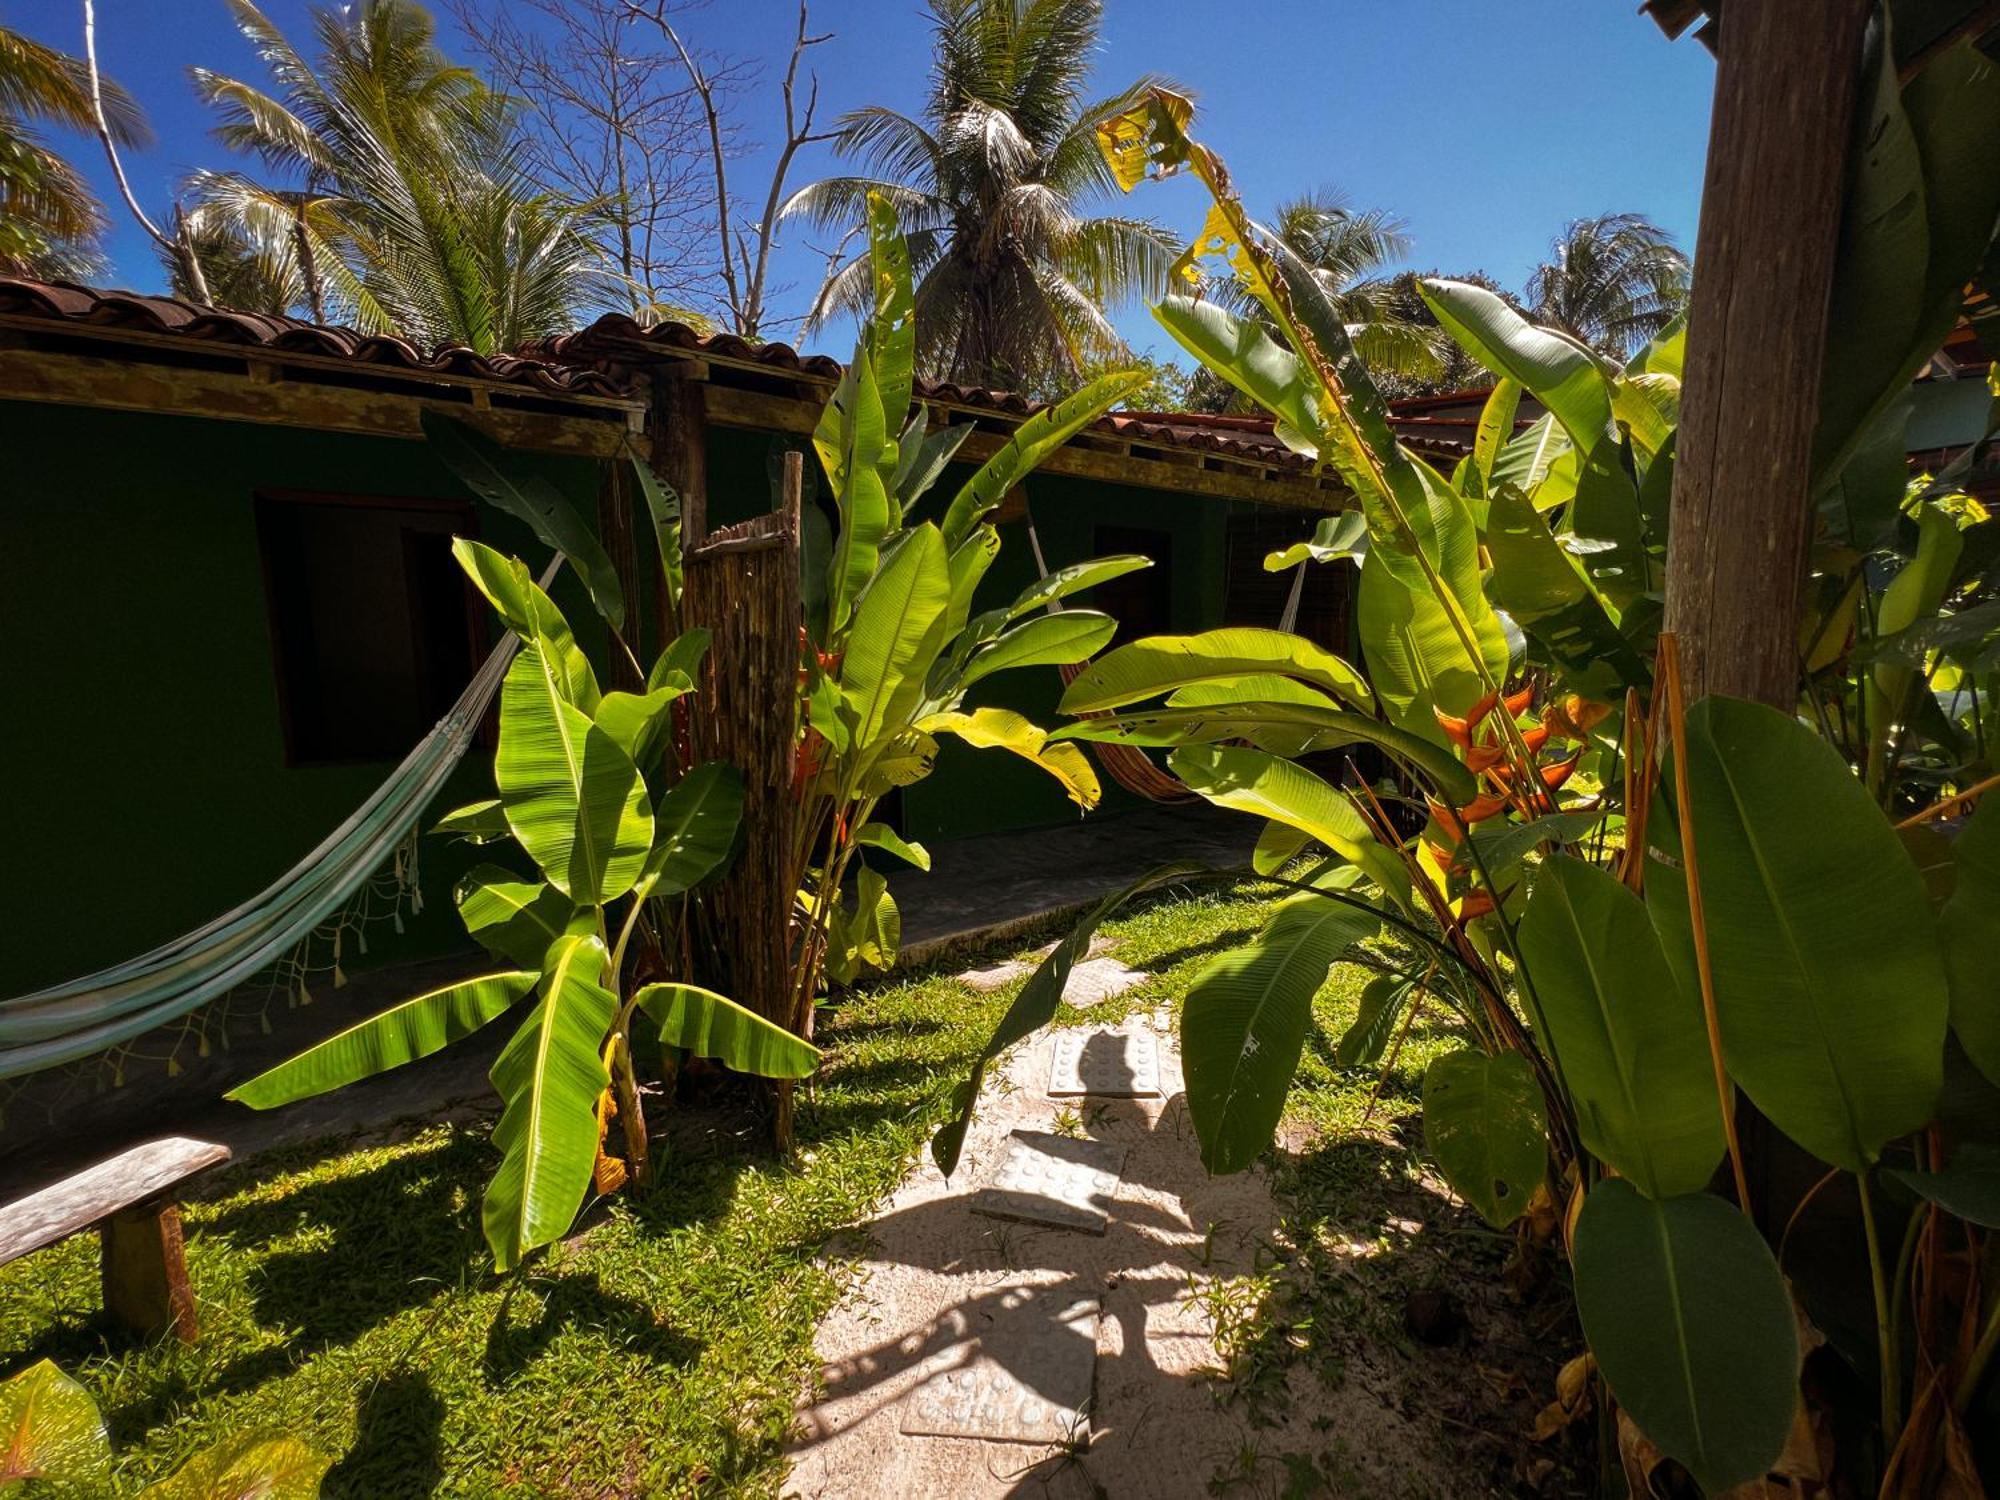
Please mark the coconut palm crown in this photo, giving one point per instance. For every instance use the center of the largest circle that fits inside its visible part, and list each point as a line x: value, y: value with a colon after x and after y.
x: 1613, y: 281
x: 993, y: 187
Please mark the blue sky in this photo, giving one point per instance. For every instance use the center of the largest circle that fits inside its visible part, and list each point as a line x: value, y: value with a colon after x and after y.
x: 1485, y: 125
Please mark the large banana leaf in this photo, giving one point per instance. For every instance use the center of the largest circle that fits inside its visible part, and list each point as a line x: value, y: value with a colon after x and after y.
x: 1692, y: 1328
x: 862, y: 491
x: 50, y: 1429
x: 898, y: 631
x: 1074, y: 580
x: 694, y: 828
x: 1161, y: 663
x: 548, y: 1077
x: 663, y: 508
x: 1245, y: 1024
x: 1030, y: 443
x: 511, y: 918
x: 1971, y: 924
x: 1629, y: 1039
x: 1204, y: 723
x: 573, y: 798
x: 892, y: 331
x: 1253, y: 781
x: 1528, y: 457
x: 530, y: 614
x: 637, y: 722
x: 1554, y: 368
x: 1538, y: 583
x: 711, y: 1025
x: 1035, y: 1006
x: 922, y: 459
x: 680, y: 659
x: 1485, y: 1123
x: 403, y: 1033
x: 1417, y: 660
x: 1335, y: 537
x: 247, y: 1466
x: 1829, y: 978
x: 1003, y: 729
x: 1057, y: 640
x: 504, y: 479
x: 1242, y: 353
x: 968, y: 565
x: 1375, y: 1016
x: 1918, y: 218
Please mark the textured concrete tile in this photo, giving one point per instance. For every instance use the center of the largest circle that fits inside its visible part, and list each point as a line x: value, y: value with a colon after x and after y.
x: 1021, y: 1372
x: 1053, y: 1179
x: 1122, y: 1063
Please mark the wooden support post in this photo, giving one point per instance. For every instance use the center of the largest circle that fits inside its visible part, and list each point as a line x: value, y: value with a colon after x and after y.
x: 144, y: 1269
x: 680, y: 449
x: 1787, y: 76
x: 614, y: 530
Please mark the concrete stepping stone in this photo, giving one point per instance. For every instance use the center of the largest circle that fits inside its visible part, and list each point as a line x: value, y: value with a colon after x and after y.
x: 1098, y: 979
x: 998, y: 976
x: 1020, y: 1371
x: 1053, y: 1179
x: 1113, y: 1063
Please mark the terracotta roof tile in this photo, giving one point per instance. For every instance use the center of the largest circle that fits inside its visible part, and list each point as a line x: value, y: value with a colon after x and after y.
x: 89, y: 307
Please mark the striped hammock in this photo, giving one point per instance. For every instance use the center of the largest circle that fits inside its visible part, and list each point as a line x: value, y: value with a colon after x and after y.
x: 68, y: 1022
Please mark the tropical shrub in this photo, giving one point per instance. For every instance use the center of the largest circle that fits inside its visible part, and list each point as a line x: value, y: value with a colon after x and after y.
x: 617, y: 833
x: 1631, y: 909
x: 894, y: 647
x: 56, y: 1435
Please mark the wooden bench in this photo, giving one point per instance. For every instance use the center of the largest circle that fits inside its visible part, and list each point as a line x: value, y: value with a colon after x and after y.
x: 130, y: 1201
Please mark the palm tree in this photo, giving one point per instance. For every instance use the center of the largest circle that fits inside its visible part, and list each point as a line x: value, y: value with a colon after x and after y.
x: 407, y: 206
x: 50, y: 223
x: 1347, y: 248
x: 1613, y: 281
x: 992, y: 187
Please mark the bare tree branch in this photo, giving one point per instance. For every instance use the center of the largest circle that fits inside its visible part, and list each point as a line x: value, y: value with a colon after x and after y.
x: 176, y: 244
x: 746, y: 257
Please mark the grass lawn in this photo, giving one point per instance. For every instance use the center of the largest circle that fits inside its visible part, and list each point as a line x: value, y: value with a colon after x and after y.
x: 346, y: 1295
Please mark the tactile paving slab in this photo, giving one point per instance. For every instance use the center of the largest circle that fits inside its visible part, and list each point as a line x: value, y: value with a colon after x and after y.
x: 1053, y: 1179
x: 1098, y: 979
x: 1021, y: 1372
x: 1121, y: 1064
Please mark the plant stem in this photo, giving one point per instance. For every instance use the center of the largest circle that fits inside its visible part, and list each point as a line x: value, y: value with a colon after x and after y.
x: 1885, y: 1319
x: 1975, y: 1367
x: 631, y: 1113
x: 1724, y: 1092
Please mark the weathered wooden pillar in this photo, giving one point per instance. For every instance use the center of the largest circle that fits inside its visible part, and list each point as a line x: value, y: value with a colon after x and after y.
x: 144, y: 1271
x: 1787, y: 75
x: 615, y: 501
x: 680, y: 444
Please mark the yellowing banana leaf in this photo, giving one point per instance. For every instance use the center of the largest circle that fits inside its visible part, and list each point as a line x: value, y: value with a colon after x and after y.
x: 1003, y: 729
x: 246, y: 1466
x: 51, y: 1429
x: 706, y: 1024
x: 882, y: 836
x: 1159, y: 664
x: 1628, y: 1038
x: 403, y: 1033
x: 548, y: 1077
x: 508, y: 480
x: 573, y: 798
x: 1245, y: 1021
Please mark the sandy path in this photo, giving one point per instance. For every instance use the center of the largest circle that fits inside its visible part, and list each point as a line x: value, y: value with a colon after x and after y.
x: 932, y: 1274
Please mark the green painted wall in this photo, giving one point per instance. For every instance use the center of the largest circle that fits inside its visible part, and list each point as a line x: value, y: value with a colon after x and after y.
x: 143, y: 753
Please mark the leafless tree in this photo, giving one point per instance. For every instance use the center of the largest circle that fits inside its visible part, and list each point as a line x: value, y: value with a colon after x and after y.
x: 743, y: 242
x: 611, y: 123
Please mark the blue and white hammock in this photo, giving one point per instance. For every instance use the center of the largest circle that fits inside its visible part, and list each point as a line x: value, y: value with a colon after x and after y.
x: 83, y: 1017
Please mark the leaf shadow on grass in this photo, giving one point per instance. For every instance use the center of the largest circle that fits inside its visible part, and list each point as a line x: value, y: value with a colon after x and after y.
x: 398, y: 1447
x: 580, y: 1304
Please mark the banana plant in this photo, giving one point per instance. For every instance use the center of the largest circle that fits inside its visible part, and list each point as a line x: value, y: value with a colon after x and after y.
x: 56, y: 1436
x: 616, y: 835
x: 1631, y: 911
x: 894, y: 645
